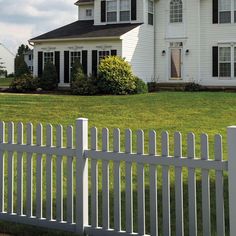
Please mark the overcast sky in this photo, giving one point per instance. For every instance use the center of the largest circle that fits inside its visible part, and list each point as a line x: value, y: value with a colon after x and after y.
x: 21, y: 20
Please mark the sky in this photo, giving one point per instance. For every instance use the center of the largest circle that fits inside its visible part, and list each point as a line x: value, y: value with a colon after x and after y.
x: 21, y: 20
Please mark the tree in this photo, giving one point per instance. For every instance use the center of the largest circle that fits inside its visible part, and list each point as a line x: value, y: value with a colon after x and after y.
x: 21, y: 67
x: 2, y: 67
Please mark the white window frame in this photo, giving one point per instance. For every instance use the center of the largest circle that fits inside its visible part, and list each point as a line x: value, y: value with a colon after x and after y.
x: 118, y: 11
x: 103, y: 51
x: 127, y: 10
x: 70, y: 61
x: 151, y: 12
x: 232, y: 12
x: 173, y: 18
x: 53, y: 60
x: 232, y: 61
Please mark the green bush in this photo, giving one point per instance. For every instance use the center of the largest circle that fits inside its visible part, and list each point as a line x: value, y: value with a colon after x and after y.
x: 115, y: 76
x: 81, y: 84
x: 49, y: 79
x: 141, y: 86
x: 193, y: 87
x: 24, y: 83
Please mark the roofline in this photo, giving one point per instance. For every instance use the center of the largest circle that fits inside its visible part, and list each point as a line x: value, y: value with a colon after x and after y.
x: 74, y: 39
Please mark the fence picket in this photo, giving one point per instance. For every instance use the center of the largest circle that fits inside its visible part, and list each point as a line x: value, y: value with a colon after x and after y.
x: 153, y: 186
x: 192, y: 187
x: 128, y: 184
x: 178, y: 186
x: 2, y: 167
x: 205, y: 188
x: 59, y: 189
x: 165, y: 186
x: 10, y: 168
x: 141, y: 185
x: 20, y: 171
x: 105, y: 182
x: 220, y: 216
x: 94, y: 181
x: 39, y: 174
x: 117, y: 192
x: 70, y: 181
x: 29, y: 201
x: 49, y: 170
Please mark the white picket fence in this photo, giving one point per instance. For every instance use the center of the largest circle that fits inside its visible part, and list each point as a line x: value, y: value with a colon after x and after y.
x: 24, y: 204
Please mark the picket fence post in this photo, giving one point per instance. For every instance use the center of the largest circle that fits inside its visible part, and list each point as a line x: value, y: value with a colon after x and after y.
x: 231, y: 139
x: 81, y: 175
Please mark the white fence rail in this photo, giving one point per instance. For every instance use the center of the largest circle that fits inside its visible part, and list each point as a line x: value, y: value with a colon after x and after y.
x: 31, y: 177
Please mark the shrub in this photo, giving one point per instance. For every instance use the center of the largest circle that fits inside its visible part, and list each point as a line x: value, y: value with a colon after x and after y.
x: 24, y: 83
x: 141, y: 86
x: 152, y: 87
x: 81, y: 84
x: 193, y: 87
x: 49, y: 79
x: 115, y: 76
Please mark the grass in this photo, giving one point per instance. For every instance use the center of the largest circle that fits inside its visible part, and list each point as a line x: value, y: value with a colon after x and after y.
x: 185, y: 112
x: 5, y: 82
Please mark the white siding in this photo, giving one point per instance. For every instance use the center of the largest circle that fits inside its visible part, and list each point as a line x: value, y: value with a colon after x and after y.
x: 211, y: 35
x: 80, y: 45
x: 7, y: 58
x: 186, y: 32
x: 137, y: 48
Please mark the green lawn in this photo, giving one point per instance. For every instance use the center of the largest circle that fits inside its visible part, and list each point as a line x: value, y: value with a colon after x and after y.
x: 185, y: 112
x: 5, y: 82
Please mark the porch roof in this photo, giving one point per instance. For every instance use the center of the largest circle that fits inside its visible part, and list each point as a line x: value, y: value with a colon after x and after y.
x: 86, y: 29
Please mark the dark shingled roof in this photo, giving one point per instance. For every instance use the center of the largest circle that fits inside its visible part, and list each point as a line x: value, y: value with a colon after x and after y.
x: 87, y: 29
x: 84, y: 1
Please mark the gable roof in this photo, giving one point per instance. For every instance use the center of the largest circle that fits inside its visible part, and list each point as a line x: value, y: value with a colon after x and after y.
x: 86, y: 30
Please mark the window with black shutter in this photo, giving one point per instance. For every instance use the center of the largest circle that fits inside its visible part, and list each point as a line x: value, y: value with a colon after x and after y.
x: 94, y: 62
x: 66, y: 67
x: 215, y: 53
x: 40, y: 64
x: 57, y: 65
x: 85, y: 61
x: 103, y: 11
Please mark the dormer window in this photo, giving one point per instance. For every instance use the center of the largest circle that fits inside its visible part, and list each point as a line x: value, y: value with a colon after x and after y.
x: 112, y: 11
x: 176, y: 11
x: 89, y: 12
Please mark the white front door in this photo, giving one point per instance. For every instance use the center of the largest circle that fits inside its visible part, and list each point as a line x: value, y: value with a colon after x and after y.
x: 175, y: 62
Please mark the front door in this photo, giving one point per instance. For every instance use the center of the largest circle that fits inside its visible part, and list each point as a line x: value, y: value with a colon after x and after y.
x: 176, y: 62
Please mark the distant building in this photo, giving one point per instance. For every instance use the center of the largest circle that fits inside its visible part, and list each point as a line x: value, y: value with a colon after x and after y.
x: 29, y: 59
x: 7, y: 58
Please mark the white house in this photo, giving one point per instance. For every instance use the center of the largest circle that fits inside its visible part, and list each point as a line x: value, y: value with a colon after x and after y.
x: 170, y: 41
x: 7, y: 58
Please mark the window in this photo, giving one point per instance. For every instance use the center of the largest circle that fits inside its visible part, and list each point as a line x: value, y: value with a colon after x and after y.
x: 112, y: 11
x: 225, y: 11
x: 89, y: 13
x: 235, y: 62
x: 234, y: 11
x: 102, y: 54
x: 150, y: 12
x: 30, y: 58
x: 124, y: 10
x: 176, y: 11
x: 74, y: 56
x: 225, y: 61
x: 48, y: 57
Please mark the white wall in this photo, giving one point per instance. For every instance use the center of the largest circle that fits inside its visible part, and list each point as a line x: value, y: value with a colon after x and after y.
x: 186, y: 32
x: 80, y: 45
x: 211, y: 35
x: 8, y: 58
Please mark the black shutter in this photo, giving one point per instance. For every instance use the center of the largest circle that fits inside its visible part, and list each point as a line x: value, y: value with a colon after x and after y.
x: 40, y: 64
x: 66, y: 67
x: 85, y: 61
x: 113, y: 52
x: 103, y: 11
x: 94, y: 62
x: 57, y: 65
x: 133, y: 9
x: 215, y: 12
x: 215, y: 62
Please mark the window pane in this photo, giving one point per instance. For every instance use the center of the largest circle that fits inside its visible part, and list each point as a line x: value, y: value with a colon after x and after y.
x: 150, y: 19
x: 124, y: 15
x: 225, y: 17
x: 176, y: 11
x: 48, y: 57
x: 112, y: 6
x: 111, y: 16
x: 225, y: 69
x: 225, y: 5
x: 150, y: 6
x: 124, y: 5
x: 225, y: 54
